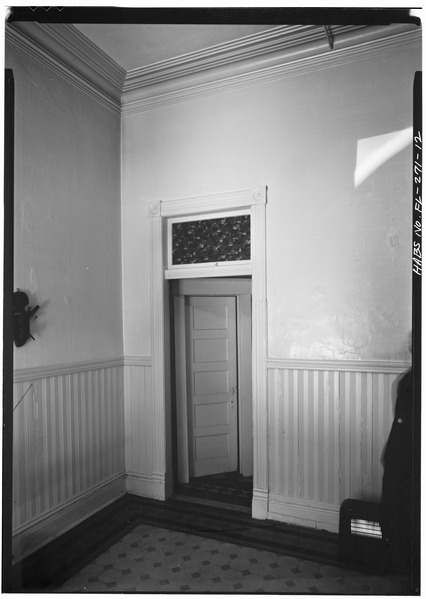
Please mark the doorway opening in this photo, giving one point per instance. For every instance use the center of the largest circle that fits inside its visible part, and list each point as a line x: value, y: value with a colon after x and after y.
x: 212, y: 390
x: 163, y: 268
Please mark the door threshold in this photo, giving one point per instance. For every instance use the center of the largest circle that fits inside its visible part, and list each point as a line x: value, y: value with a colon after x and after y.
x: 211, y: 503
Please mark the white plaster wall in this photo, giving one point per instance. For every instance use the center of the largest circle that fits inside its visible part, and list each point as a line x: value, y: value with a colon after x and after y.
x: 67, y: 217
x: 336, y: 287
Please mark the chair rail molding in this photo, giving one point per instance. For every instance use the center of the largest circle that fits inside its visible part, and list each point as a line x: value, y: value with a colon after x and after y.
x: 52, y: 370
x: 382, y: 366
x: 255, y: 200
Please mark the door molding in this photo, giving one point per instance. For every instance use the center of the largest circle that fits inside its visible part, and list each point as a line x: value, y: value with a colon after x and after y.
x: 255, y: 200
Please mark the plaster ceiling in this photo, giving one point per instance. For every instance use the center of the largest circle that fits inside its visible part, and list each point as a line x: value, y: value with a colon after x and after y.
x: 134, y: 46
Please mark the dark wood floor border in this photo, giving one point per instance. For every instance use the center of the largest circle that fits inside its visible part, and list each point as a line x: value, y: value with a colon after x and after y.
x: 56, y: 562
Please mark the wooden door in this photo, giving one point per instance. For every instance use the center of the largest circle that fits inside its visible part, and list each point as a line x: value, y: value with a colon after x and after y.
x: 212, y: 385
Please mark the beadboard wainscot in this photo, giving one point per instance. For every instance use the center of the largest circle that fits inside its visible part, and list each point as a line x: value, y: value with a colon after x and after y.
x: 140, y: 438
x: 329, y: 422
x: 68, y: 448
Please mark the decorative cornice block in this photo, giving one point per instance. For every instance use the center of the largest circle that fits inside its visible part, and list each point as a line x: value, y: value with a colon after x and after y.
x: 154, y: 209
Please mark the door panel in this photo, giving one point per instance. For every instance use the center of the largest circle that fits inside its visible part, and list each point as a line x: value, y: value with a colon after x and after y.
x: 206, y: 414
x: 216, y: 445
x: 210, y: 318
x: 210, y: 350
x: 212, y: 385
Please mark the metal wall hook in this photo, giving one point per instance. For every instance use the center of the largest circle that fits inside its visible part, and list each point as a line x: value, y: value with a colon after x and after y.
x: 329, y: 34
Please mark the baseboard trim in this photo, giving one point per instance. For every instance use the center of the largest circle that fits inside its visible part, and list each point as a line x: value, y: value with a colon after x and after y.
x: 44, y: 529
x: 311, y: 514
x: 150, y: 486
x: 259, y: 506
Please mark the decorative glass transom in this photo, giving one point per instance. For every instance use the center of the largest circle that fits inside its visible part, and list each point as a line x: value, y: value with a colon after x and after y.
x: 212, y: 240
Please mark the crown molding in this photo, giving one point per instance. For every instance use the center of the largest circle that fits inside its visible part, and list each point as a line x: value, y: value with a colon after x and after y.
x: 281, y: 52
x: 272, y: 40
x: 69, y: 53
x: 292, y: 60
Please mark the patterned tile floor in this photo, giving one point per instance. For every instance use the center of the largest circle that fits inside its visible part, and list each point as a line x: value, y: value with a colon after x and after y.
x: 153, y: 559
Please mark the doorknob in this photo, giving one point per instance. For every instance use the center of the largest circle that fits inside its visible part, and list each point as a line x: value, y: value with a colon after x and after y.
x: 232, y: 398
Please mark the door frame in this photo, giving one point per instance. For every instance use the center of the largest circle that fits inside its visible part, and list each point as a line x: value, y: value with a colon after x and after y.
x: 210, y: 287
x: 254, y: 200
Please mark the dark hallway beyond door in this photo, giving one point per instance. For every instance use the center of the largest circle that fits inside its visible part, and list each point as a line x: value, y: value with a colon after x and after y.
x: 230, y: 489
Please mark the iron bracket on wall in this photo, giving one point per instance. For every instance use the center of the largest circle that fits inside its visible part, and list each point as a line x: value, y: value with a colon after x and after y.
x: 329, y: 34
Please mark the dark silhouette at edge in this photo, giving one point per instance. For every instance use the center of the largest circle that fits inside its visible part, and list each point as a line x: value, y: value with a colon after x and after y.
x: 400, y: 502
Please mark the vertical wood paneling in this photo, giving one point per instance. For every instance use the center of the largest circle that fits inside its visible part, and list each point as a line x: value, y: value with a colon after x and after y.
x: 314, y: 387
x: 88, y: 429
x: 357, y: 430
x: 328, y: 430
x: 334, y: 469
x: 286, y: 413
x: 94, y: 420
x: 345, y: 431
x: 294, y: 391
x: 137, y: 435
x: 17, y: 394
x: 273, y: 431
x: 285, y: 463
x: 109, y: 409
x: 303, y: 438
x: 74, y: 438
x: 367, y: 419
x: 322, y: 453
x: 43, y: 473
x: 68, y: 437
x: 66, y: 442
x: 138, y: 416
x: 56, y: 402
x: 50, y: 423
